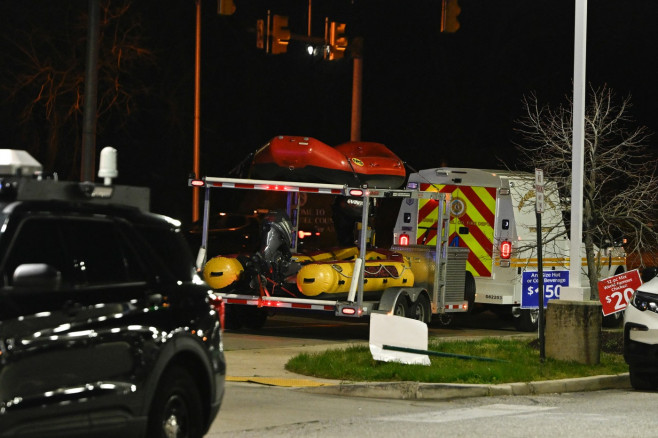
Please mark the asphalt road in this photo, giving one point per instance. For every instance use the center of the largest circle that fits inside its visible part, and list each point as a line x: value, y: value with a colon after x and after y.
x: 264, y: 411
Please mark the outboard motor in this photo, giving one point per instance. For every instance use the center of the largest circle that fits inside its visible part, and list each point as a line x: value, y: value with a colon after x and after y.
x: 276, y: 237
x: 274, y: 254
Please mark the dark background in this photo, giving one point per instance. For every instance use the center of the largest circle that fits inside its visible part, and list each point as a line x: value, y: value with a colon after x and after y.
x: 434, y: 99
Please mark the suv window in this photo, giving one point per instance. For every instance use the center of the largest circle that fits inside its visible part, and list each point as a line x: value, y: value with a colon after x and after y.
x: 38, y: 241
x: 100, y: 254
x: 85, y: 251
x: 172, y: 250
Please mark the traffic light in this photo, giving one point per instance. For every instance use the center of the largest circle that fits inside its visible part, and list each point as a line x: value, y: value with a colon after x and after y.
x: 337, y: 40
x: 449, y: 11
x: 260, y: 34
x: 225, y: 7
x: 280, y: 34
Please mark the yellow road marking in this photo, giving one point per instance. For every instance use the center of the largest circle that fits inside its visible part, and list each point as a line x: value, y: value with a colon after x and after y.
x: 278, y: 381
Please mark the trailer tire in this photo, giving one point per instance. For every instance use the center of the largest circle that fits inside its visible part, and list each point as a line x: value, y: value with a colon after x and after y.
x: 232, y: 317
x: 401, y: 306
x: 527, y: 321
x: 254, y: 317
x: 421, y: 310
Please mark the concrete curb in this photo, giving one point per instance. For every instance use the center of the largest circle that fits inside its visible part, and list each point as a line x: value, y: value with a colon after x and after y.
x: 442, y: 391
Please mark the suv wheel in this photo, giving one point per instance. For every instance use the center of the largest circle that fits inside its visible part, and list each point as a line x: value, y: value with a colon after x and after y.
x: 176, y: 408
x: 642, y: 380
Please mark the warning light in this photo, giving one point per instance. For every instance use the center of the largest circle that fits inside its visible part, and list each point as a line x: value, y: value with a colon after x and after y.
x: 303, y: 234
x: 404, y: 239
x: 197, y: 183
x: 356, y: 192
x: 505, y: 249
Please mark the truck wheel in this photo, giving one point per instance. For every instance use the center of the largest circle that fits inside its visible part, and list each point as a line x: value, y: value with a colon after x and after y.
x: 469, y: 291
x: 642, y: 380
x: 527, y: 321
x: 401, y: 307
x: 421, y: 310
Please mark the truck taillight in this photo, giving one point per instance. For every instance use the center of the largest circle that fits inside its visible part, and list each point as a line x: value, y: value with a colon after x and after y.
x: 505, y: 249
x: 404, y: 240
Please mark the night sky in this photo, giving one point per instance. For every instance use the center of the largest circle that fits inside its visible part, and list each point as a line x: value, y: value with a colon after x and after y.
x: 434, y: 99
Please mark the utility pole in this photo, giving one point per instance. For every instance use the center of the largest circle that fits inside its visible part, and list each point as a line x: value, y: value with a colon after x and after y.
x: 357, y: 85
x: 91, y: 91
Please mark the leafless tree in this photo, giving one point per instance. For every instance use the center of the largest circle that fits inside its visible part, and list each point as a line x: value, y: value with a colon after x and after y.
x: 46, y: 79
x: 620, y: 188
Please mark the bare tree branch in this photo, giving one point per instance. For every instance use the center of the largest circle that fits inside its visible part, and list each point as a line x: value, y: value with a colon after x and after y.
x: 620, y: 188
x: 48, y: 75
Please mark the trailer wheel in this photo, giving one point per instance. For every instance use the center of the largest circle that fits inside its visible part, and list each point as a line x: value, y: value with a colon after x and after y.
x: 421, y: 310
x: 401, y: 307
x: 445, y: 319
x: 254, y: 317
x: 527, y: 321
x: 232, y: 317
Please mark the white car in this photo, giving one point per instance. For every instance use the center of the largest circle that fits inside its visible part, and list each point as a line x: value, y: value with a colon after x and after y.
x: 641, y: 336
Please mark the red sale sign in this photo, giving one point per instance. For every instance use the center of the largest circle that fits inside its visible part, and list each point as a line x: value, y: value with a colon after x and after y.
x: 615, y: 292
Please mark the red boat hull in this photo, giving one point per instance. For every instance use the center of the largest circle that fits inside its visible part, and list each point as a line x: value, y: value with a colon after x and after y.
x: 293, y: 158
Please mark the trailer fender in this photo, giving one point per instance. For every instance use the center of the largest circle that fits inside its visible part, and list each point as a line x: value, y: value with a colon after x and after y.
x: 392, y: 295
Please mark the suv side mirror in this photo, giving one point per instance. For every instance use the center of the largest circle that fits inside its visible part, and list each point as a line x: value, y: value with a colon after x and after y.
x: 36, y: 275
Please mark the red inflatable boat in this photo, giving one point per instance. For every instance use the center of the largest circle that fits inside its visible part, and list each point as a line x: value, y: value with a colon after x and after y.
x: 292, y: 158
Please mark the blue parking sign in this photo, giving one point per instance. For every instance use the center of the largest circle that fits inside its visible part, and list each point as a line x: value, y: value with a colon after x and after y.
x: 553, y: 283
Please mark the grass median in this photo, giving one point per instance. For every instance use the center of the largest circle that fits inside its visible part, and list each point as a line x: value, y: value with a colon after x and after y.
x: 516, y: 361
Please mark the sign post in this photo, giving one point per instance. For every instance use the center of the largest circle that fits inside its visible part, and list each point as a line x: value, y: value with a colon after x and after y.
x: 539, y: 209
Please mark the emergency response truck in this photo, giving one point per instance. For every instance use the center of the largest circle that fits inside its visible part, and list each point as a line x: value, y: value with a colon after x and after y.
x: 493, y: 215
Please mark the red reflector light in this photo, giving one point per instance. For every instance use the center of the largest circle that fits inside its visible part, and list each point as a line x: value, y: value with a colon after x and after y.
x: 218, y: 304
x: 198, y: 183
x: 505, y: 249
x: 349, y: 311
x: 404, y: 240
x: 356, y: 192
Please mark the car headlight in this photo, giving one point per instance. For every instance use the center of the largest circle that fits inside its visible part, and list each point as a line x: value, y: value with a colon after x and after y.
x: 644, y: 301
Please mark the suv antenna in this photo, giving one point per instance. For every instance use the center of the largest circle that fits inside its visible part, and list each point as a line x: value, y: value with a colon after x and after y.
x: 108, y: 165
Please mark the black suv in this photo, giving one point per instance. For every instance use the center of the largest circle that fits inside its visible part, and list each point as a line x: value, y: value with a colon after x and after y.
x: 105, y: 327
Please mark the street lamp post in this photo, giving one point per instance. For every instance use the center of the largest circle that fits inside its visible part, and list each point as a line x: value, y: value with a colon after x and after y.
x: 575, y: 291
x: 197, y: 112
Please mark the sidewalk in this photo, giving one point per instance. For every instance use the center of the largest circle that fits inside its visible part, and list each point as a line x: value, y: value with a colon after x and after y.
x: 267, y: 367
